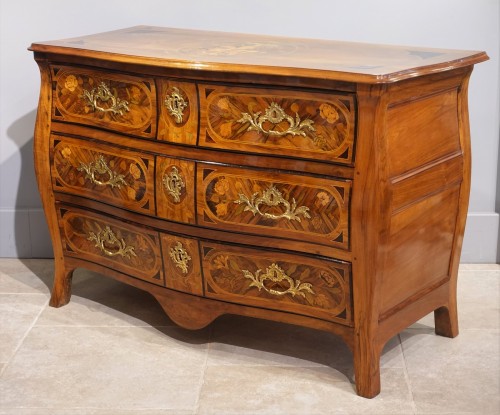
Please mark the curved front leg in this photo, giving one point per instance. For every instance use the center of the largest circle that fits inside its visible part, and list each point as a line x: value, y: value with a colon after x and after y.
x: 61, y: 289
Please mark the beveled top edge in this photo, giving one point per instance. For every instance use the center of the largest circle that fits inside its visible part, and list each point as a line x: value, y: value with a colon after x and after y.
x: 257, y: 54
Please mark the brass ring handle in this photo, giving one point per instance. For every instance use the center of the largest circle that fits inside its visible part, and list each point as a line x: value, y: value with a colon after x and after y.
x: 174, y: 184
x: 274, y: 114
x: 273, y: 197
x: 275, y: 274
x: 104, y: 94
x: 180, y: 257
x: 105, y: 239
x: 100, y: 166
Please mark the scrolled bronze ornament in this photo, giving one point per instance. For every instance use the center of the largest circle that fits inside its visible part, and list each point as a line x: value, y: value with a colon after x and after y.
x: 174, y: 184
x: 275, y: 274
x: 99, y: 166
x: 109, y: 243
x: 176, y: 104
x: 273, y: 197
x: 103, y: 93
x: 180, y: 257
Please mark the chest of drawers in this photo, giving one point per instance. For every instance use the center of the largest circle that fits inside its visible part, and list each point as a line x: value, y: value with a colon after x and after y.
x: 316, y: 183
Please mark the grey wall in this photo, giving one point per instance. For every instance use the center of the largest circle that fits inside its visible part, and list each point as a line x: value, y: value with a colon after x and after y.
x: 460, y: 24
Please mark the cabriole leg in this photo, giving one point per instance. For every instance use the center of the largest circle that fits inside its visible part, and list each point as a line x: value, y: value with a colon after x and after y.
x: 61, y: 290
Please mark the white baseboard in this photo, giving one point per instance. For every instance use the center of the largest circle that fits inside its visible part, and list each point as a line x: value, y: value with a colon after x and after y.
x: 24, y: 234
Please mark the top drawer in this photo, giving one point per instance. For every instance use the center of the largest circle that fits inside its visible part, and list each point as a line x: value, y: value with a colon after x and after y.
x: 288, y: 123
x: 117, y: 102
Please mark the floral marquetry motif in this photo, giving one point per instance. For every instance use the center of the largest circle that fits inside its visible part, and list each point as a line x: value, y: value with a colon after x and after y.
x: 310, y: 125
x: 281, y: 281
x: 118, y: 177
x: 116, y: 102
x: 133, y: 250
x: 300, y: 207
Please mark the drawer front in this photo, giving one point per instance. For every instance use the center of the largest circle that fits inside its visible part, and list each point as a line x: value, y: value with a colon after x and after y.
x: 297, y: 207
x: 182, y: 264
x: 119, y: 177
x: 289, y: 123
x: 117, y: 102
x: 178, y: 109
x: 175, y: 189
x: 304, y: 285
x: 133, y: 250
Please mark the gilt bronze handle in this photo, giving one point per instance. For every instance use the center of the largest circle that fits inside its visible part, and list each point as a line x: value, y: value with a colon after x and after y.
x: 273, y: 197
x: 275, y: 274
x: 99, y: 166
x: 109, y: 244
x: 103, y: 93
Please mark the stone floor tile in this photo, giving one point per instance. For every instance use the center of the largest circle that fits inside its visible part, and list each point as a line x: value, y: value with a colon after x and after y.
x: 453, y: 389
x: 479, y: 300
x: 94, y: 411
x: 479, y: 267
x: 17, y: 314
x: 114, y: 368
x: 455, y: 375
x: 41, y: 267
x: 257, y: 390
x: 239, y: 340
x: 100, y: 301
x: 25, y: 276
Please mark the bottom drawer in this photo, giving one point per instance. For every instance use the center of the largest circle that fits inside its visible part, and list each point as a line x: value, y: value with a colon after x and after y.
x: 127, y: 248
x: 244, y: 275
x: 132, y: 249
x: 279, y: 281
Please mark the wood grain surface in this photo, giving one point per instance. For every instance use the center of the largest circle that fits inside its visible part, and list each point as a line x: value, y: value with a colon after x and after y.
x: 312, y: 182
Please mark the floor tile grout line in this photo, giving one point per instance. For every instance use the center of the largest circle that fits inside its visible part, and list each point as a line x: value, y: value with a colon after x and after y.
x: 14, y: 293
x: 104, y: 326
x: 407, y: 377
x: 20, y: 343
x: 203, y: 372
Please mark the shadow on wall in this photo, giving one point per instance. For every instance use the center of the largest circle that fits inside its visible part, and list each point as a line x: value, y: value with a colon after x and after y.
x: 26, y: 228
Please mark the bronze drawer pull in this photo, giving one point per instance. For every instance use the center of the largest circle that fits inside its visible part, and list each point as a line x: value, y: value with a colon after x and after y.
x: 100, y: 166
x: 275, y: 115
x: 275, y: 274
x: 176, y: 104
x: 273, y: 197
x: 180, y: 257
x: 107, y: 237
x: 104, y: 94
x: 174, y: 184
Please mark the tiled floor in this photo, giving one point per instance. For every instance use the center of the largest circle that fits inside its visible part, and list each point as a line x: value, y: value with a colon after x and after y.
x: 112, y: 351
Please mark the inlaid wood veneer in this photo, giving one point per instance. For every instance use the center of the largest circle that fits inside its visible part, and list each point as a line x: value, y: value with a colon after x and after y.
x: 311, y: 182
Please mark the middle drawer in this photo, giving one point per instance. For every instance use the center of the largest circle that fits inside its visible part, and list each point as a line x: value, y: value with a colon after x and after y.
x: 223, y: 197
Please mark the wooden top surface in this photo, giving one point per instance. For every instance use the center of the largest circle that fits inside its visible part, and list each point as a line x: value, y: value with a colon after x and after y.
x: 232, y: 52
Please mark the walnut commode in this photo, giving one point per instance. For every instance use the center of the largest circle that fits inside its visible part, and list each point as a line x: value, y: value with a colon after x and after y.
x: 317, y: 183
